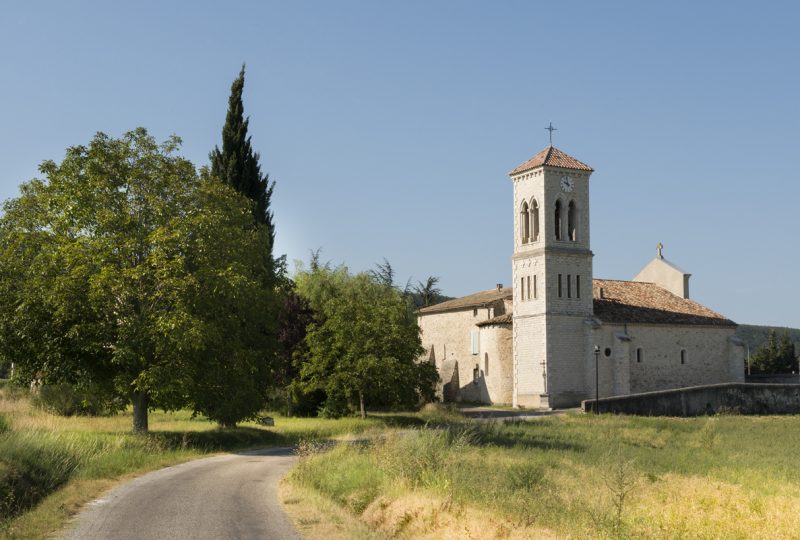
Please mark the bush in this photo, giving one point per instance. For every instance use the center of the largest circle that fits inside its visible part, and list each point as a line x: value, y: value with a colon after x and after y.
x: 304, y: 403
x: 68, y: 400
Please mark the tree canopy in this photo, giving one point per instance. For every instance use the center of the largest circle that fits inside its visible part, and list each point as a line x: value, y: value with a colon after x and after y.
x: 237, y: 165
x: 777, y: 355
x: 124, y: 268
x: 427, y: 293
x: 364, y: 342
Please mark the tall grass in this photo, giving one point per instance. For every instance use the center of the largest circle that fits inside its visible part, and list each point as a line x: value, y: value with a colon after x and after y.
x: 573, y: 476
x: 33, y: 464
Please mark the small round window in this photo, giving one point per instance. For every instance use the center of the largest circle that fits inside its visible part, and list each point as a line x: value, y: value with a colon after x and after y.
x: 607, y: 352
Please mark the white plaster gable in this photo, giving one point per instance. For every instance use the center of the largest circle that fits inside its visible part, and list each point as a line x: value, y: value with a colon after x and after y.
x: 666, y: 275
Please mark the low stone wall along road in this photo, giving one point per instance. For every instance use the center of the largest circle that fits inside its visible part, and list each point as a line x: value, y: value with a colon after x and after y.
x: 219, y: 498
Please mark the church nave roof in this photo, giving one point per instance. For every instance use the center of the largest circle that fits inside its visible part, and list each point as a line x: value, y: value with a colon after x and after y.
x: 639, y: 302
x: 477, y: 299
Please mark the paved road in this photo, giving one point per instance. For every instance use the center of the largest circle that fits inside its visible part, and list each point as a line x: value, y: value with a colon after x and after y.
x: 223, y: 497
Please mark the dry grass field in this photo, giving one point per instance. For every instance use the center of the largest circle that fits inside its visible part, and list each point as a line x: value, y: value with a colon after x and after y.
x: 573, y: 476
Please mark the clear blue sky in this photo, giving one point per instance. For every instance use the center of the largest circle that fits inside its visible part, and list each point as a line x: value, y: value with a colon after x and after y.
x: 390, y: 127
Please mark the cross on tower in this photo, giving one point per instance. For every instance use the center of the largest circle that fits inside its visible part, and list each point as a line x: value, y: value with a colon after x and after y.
x: 659, y: 247
x: 551, y: 129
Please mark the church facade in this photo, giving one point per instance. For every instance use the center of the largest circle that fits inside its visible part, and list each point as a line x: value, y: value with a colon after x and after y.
x: 536, y: 343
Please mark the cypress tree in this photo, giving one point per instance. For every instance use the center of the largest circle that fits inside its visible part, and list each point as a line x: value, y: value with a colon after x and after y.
x: 237, y: 165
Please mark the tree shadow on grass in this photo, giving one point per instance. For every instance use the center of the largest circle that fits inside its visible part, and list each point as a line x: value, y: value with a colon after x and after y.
x: 538, y: 442
x: 215, y: 440
x: 399, y: 420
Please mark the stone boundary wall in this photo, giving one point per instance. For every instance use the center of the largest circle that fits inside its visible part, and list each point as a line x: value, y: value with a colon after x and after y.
x: 773, y: 378
x: 742, y: 398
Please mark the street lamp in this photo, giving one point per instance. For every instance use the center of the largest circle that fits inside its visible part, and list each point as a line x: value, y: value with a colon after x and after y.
x: 596, y: 379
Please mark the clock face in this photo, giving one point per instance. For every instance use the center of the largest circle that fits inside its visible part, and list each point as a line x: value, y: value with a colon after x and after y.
x: 567, y: 184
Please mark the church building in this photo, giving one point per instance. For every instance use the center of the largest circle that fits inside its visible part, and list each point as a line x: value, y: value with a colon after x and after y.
x: 535, y: 344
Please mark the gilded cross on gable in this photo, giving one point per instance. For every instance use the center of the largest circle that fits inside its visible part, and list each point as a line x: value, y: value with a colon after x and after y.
x: 659, y: 247
x: 551, y: 129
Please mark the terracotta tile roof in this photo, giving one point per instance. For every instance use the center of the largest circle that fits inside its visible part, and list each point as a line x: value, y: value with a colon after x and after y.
x: 506, y: 318
x: 637, y: 302
x: 473, y: 300
x: 622, y: 302
x: 553, y: 157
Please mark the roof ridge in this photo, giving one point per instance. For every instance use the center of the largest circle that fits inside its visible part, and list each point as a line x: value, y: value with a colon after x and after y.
x: 623, y: 281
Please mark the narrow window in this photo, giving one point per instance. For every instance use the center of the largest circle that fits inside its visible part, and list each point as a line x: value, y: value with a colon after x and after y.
x: 569, y: 285
x: 524, y: 222
x: 529, y: 287
x: 639, y: 355
x: 534, y: 286
x: 683, y: 356
x: 476, y: 374
x: 475, y: 312
x: 559, y: 285
x: 535, y: 219
x: 475, y: 342
x: 577, y: 286
x: 522, y: 288
x: 486, y: 364
x: 558, y: 220
x: 572, y: 221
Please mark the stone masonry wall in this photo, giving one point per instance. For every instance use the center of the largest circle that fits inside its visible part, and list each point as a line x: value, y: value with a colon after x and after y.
x: 711, y: 358
x: 708, y: 356
x: 446, y: 337
x: 699, y: 400
x: 566, y: 360
x: 529, y: 352
x: 496, y: 376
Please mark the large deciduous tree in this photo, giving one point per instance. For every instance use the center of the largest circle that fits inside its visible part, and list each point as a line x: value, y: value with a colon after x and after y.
x: 124, y: 268
x: 364, y: 342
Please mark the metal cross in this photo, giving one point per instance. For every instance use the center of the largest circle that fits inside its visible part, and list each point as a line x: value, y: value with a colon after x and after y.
x: 659, y: 247
x: 551, y: 129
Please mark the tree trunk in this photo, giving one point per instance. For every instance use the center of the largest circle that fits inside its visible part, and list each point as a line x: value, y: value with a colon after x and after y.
x: 288, y: 403
x: 140, y: 402
x: 361, y: 402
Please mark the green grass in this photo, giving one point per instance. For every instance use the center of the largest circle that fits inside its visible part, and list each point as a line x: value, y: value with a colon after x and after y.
x: 50, y: 465
x: 573, y: 476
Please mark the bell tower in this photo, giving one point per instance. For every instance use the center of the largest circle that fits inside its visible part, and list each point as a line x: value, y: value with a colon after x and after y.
x: 552, y: 273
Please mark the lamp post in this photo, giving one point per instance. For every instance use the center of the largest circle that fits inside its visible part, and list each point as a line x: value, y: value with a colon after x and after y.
x: 596, y: 379
x: 748, y: 359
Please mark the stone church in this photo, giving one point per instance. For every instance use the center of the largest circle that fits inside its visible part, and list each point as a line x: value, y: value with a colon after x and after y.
x: 536, y: 343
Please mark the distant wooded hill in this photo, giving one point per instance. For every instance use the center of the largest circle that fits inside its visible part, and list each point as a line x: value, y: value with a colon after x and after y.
x: 755, y: 336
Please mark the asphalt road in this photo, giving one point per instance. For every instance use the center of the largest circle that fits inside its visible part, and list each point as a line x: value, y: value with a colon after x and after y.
x: 223, y: 497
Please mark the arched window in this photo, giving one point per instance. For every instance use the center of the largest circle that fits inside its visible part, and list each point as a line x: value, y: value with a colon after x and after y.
x: 572, y: 222
x: 524, y: 222
x: 535, y: 219
x: 558, y: 220
x: 639, y: 355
